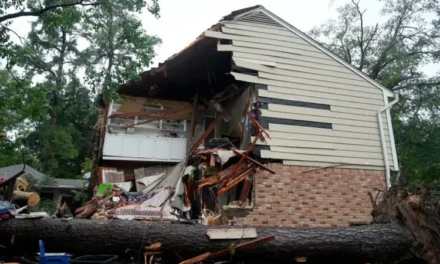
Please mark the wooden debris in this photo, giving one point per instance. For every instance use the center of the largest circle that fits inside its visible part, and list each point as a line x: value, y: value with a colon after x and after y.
x: 197, y: 259
x: 213, y: 125
x: 169, y: 114
x: 25, y: 198
x: 254, y: 161
x: 232, y: 233
x: 243, y: 246
x: 235, y: 181
x: 155, y: 246
x: 257, y: 125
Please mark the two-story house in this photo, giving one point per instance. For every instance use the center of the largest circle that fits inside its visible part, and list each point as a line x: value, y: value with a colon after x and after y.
x: 331, y: 137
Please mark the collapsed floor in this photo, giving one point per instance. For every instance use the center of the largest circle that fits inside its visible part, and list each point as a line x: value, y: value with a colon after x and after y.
x: 210, y: 186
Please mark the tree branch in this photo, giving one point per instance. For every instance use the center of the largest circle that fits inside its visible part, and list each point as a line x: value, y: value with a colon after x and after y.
x: 46, y: 9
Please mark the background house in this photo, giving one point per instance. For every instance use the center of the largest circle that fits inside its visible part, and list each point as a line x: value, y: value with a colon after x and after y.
x: 54, y: 189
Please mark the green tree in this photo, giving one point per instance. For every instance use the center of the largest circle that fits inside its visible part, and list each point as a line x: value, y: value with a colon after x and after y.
x: 60, y: 140
x: 121, y: 48
x: 394, y: 53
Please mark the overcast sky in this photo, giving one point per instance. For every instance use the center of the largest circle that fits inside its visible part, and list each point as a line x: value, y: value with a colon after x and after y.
x: 182, y: 21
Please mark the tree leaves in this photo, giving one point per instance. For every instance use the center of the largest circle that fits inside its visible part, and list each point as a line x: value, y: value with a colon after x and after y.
x: 48, y: 89
x: 394, y: 53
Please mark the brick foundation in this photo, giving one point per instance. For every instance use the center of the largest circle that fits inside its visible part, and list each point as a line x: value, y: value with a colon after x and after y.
x: 330, y: 197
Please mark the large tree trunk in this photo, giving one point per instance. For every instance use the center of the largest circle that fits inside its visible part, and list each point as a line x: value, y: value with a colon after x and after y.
x: 370, y: 242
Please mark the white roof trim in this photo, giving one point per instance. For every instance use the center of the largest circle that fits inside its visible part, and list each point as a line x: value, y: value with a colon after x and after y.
x: 386, y: 91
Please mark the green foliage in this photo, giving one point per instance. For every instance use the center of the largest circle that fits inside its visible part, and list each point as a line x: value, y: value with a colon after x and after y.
x: 121, y: 47
x: 394, y: 53
x: 45, y: 205
x: 46, y: 105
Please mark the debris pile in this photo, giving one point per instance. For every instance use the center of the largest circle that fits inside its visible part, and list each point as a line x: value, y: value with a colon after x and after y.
x: 200, y: 189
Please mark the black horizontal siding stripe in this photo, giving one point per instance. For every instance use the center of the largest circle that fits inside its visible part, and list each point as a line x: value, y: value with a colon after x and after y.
x: 293, y: 103
x: 264, y: 121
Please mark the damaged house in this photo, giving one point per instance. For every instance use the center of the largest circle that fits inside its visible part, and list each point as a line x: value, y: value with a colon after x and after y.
x: 253, y: 123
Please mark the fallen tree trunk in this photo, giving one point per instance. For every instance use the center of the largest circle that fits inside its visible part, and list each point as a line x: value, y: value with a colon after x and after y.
x: 25, y: 198
x: 370, y: 242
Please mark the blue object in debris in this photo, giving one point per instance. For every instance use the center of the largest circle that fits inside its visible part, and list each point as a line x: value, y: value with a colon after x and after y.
x: 53, y: 258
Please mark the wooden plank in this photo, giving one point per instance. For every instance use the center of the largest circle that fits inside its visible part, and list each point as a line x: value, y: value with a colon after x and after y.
x: 235, y: 181
x: 255, y: 79
x: 213, y: 124
x: 231, y: 233
x: 197, y: 259
x: 254, y: 161
x: 194, y: 116
x: 168, y: 115
x: 256, y: 65
x: 157, y: 102
x: 316, y: 158
x: 247, y: 245
x: 257, y: 125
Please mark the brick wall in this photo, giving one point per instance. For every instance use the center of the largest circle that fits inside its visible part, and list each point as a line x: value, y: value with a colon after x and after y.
x: 328, y: 197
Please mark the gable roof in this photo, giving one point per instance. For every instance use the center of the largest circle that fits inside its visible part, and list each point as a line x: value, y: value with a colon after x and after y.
x: 8, y: 172
x: 259, y: 14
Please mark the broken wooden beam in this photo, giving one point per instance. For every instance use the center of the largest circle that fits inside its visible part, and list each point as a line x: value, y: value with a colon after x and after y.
x: 247, y: 245
x: 235, y: 181
x: 168, y: 115
x: 254, y: 161
x: 213, y: 125
x: 257, y: 125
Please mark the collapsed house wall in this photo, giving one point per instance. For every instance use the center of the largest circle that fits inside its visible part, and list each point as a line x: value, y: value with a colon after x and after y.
x: 330, y: 197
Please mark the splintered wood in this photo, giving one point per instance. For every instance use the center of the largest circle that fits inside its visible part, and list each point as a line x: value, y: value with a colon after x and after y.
x: 228, y: 251
x: 226, y: 168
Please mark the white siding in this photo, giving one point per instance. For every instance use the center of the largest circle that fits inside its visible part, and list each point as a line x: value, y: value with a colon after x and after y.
x: 293, y: 69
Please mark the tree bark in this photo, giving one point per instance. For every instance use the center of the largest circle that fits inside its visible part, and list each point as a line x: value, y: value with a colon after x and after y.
x: 370, y: 242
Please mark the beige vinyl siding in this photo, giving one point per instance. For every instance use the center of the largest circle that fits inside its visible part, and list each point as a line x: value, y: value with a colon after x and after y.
x: 281, y: 55
x: 275, y: 69
x: 362, y: 126
x: 280, y: 28
x: 273, y: 31
x: 281, y: 52
x: 313, y: 164
x: 295, y: 142
x: 321, y: 132
x: 295, y: 70
x: 320, y: 158
x: 299, y: 86
x: 286, y: 64
x: 322, y: 112
x: 357, y: 105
